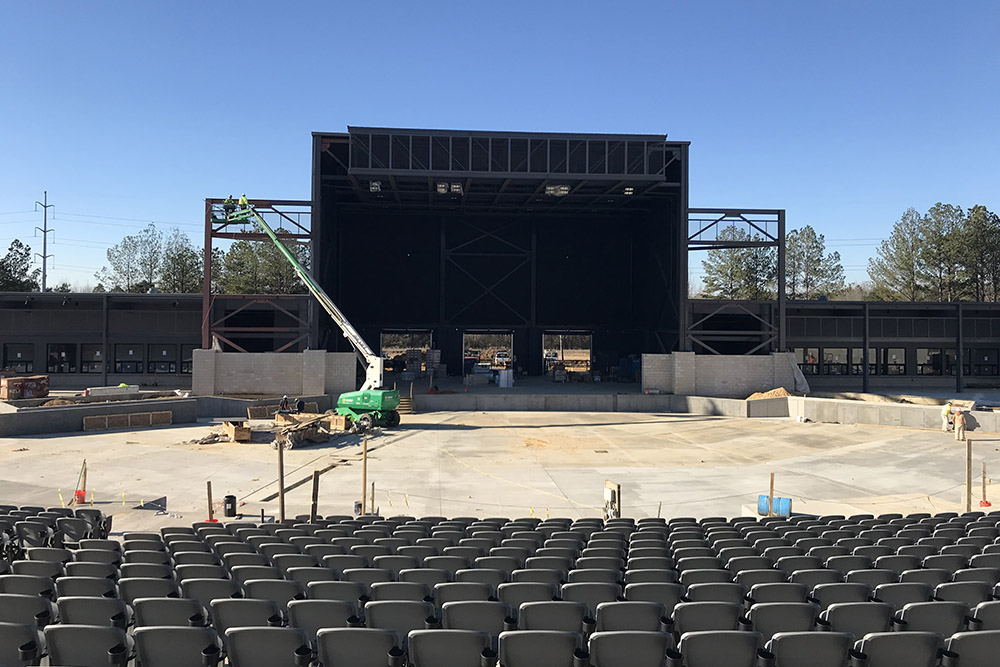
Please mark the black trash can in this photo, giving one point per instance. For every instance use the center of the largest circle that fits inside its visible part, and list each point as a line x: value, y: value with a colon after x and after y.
x: 229, y: 506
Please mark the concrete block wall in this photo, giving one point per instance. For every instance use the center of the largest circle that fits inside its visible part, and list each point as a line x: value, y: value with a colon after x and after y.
x: 311, y: 372
x: 686, y: 373
x: 658, y: 372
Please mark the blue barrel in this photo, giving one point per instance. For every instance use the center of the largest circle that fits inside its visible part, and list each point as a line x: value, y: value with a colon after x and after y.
x: 782, y: 506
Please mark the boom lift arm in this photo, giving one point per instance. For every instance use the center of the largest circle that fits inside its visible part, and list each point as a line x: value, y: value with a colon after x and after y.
x: 372, y: 362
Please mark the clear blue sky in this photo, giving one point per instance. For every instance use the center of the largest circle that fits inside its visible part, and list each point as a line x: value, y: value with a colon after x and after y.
x: 843, y: 113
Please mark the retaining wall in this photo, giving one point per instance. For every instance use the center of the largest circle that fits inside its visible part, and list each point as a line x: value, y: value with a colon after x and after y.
x: 726, y: 375
x: 69, y: 418
x: 311, y: 372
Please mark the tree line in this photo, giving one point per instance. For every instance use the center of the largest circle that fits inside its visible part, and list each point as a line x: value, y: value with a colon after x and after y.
x: 151, y: 261
x: 170, y: 263
x: 946, y: 254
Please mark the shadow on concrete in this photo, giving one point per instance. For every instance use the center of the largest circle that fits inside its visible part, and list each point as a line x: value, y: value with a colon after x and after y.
x: 445, y: 426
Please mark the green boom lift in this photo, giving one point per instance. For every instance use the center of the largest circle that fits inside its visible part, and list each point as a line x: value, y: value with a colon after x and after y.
x: 371, y: 405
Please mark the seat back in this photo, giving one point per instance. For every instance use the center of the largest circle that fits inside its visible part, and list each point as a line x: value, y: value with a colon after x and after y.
x: 166, y: 646
x: 267, y: 647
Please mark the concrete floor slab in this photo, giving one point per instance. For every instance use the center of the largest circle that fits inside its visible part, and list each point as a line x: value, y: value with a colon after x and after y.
x: 511, y: 464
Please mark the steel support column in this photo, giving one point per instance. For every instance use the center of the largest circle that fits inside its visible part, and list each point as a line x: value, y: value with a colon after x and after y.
x: 782, y: 297
x: 864, y: 352
x: 960, y: 366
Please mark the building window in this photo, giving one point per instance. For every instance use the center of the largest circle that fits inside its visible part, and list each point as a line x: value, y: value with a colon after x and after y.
x: 19, y: 357
x: 834, y: 361
x: 929, y: 361
x: 162, y: 359
x: 984, y: 362
x: 808, y: 359
x: 950, y: 362
x: 894, y: 360
x: 128, y: 358
x: 91, y: 358
x: 61, y: 358
x: 187, y: 358
x: 858, y: 361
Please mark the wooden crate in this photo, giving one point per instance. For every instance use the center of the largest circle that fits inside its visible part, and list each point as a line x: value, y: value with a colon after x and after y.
x: 35, y: 386
x: 237, y: 431
x: 11, y: 388
x: 337, y: 423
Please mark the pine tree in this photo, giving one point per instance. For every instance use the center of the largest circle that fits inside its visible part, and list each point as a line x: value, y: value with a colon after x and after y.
x: 939, y: 256
x: 809, y: 271
x: 241, y: 270
x: 16, y: 274
x: 980, y: 254
x: 181, y: 268
x: 739, y: 273
x: 895, y: 270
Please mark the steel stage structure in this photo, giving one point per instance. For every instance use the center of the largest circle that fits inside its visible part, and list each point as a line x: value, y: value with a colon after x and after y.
x: 455, y: 232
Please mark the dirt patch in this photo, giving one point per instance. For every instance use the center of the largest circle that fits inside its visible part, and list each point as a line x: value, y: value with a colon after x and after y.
x: 774, y: 393
x: 534, y: 443
x: 57, y: 401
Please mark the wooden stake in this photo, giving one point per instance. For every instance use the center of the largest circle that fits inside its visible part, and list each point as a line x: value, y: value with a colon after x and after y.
x: 984, y: 486
x: 364, y: 475
x: 281, y: 482
x: 659, y: 507
x: 770, y: 498
x: 373, y: 498
x: 315, y: 502
x: 211, y: 505
x: 968, y: 475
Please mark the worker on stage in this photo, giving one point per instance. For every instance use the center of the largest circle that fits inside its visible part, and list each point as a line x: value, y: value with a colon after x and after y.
x: 244, y: 204
x: 229, y: 206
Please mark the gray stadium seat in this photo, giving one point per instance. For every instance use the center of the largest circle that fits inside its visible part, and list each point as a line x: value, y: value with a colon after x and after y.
x: 94, y: 611
x: 20, y: 644
x: 347, y: 591
x: 900, y: 649
x: 174, y: 612
x: 643, y: 616
x: 481, y: 616
x: 986, y: 616
x: 356, y: 647
x: 32, y: 610
x: 859, y: 618
x: 666, y: 594
x: 168, y: 646
x: 267, y: 647
x: 206, y: 590
x: 399, y: 590
x: 811, y: 649
x: 400, y: 616
x: 280, y: 592
x: 975, y: 649
x: 558, y: 616
x: 773, y: 617
x: 26, y: 584
x: 944, y: 618
x: 87, y: 645
x: 717, y: 592
x: 85, y: 586
x: 449, y: 648
x: 538, y: 648
x: 703, y: 616
x: 228, y: 614
x: 591, y: 594
x: 311, y: 616
x: 717, y: 648
x: 629, y: 649
x: 778, y: 592
x: 902, y: 594
x: 826, y: 594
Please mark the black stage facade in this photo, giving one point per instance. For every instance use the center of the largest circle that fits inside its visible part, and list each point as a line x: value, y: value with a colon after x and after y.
x: 522, y: 234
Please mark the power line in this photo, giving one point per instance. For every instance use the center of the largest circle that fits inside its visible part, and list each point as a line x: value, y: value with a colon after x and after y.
x: 44, y: 229
x: 141, y: 220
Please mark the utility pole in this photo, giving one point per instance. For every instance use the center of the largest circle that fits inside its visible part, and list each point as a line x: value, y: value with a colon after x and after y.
x: 44, y: 229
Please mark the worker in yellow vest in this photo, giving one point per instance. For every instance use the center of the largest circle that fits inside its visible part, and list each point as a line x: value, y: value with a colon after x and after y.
x: 945, y: 416
x: 244, y: 204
